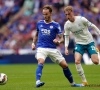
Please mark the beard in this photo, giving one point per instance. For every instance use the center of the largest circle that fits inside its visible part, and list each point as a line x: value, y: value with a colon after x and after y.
x: 47, y: 18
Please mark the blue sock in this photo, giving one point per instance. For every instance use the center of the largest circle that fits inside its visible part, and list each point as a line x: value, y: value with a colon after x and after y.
x: 68, y: 74
x: 39, y: 71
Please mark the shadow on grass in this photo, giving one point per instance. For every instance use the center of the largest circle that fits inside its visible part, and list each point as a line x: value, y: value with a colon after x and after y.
x: 94, y: 85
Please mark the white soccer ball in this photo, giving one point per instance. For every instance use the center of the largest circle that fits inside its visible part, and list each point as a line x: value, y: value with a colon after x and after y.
x: 3, y: 78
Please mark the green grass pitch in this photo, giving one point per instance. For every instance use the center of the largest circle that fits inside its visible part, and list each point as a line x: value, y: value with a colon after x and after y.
x: 22, y: 77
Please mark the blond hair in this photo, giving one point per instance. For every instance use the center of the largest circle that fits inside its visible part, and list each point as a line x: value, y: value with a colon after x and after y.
x: 68, y: 8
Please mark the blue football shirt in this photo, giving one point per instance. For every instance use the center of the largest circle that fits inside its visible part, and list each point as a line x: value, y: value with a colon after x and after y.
x: 47, y: 33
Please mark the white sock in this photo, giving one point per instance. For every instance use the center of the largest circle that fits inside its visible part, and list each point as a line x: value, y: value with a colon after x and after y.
x: 81, y: 72
x: 37, y: 81
x: 73, y: 83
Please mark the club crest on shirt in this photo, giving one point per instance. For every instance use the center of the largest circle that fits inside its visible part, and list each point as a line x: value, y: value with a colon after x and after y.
x: 41, y: 25
x: 51, y: 27
x: 79, y: 24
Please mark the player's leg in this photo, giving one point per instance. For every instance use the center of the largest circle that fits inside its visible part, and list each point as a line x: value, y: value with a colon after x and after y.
x: 78, y: 53
x: 95, y: 59
x: 68, y: 74
x: 40, y: 56
x: 57, y: 57
x: 67, y: 71
x: 93, y: 53
x: 79, y: 68
x: 98, y: 52
x: 39, y: 72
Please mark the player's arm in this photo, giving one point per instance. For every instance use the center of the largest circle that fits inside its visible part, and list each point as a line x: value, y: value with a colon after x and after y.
x: 66, y: 37
x: 95, y: 28
x: 89, y: 24
x: 61, y: 39
x: 60, y: 35
x: 35, y: 38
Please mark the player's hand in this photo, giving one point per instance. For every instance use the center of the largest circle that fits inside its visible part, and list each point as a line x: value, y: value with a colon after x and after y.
x: 66, y: 51
x: 56, y: 41
x: 33, y: 46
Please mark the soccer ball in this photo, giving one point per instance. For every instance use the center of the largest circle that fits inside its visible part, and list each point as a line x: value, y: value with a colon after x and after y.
x: 3, y: 78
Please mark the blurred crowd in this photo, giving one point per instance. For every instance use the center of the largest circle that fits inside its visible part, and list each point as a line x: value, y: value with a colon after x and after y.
x: 18, y: 20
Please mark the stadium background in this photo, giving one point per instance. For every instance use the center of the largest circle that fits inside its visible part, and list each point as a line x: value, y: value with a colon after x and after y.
x: 18, y: 20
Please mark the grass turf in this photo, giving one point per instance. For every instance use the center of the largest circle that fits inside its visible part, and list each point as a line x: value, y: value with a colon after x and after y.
x: 22, y: 77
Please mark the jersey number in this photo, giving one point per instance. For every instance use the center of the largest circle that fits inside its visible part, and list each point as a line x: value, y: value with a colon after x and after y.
x: 92, y: 47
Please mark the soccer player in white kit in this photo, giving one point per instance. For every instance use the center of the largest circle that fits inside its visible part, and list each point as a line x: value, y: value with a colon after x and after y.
x: 45, y: 38
x: 78, y: 25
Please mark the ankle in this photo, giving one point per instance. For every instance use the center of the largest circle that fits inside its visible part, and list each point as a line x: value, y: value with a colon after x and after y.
x: 73, y: 83
x: 37, y: 81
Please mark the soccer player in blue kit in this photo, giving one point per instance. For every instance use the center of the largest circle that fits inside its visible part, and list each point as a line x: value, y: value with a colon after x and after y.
x: 45, y: 37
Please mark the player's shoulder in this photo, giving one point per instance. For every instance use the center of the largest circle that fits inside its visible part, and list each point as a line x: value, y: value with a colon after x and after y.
x: 67, y: 22
x: 55, y: 23
x: 40, y: 21
x: 80, y: 17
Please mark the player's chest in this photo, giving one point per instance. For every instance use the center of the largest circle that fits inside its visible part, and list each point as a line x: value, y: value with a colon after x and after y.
x: 46, y: 29
x: 76, y: 28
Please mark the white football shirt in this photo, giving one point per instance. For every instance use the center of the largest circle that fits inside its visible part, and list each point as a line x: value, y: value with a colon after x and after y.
x: 79, y: 28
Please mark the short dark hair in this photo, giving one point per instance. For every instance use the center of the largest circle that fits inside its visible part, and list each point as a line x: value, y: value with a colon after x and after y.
x: 48, y: 7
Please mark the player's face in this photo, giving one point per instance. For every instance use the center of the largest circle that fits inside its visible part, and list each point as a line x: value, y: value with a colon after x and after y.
x: 46, y: 14
x: 69, y: 15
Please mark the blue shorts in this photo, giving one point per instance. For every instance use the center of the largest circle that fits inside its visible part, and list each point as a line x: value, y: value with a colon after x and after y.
x: 90, y: 48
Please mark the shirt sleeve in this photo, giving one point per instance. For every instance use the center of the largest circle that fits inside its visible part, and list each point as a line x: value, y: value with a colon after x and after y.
x: 66, y: 35
x: 59, y: 31
x: 86, y: 22
x: 66, y: 30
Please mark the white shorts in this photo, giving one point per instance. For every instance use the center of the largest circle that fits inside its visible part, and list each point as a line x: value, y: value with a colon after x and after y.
x: 53, y: 54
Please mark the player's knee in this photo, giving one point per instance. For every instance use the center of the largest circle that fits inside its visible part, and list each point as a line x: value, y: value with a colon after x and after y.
x: 77, y: 61
x: 63, y: 64
x: 41, y: 61
x: 96, y: 61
